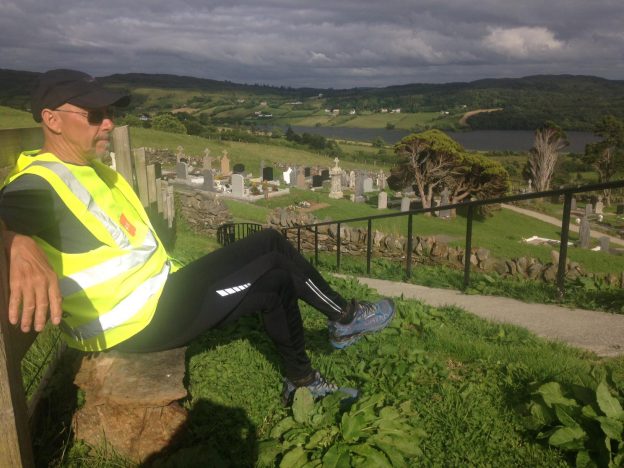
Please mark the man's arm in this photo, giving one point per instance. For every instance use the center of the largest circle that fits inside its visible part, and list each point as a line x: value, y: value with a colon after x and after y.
x: 33, y: 284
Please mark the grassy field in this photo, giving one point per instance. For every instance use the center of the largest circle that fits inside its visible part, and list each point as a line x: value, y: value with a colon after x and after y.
x: 13, y: 118
x: 457, y: 389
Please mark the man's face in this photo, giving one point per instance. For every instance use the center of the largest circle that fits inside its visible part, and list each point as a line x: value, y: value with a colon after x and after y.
x: 86, y: 132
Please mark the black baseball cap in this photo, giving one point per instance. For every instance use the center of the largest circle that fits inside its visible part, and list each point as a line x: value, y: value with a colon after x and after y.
x: 56, y: 87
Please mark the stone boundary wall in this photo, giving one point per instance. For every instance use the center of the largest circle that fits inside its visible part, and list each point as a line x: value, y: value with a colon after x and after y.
x: 426, y: 250
x: 204, y: 211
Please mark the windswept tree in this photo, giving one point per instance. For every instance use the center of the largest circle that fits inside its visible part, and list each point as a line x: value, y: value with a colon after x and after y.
x: 607, y: 155
x: 432, y: 160
x: 425, y: 160
x: 550, y: 140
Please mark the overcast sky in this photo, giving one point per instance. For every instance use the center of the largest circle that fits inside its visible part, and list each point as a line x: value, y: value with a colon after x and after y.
x: 317, y: 43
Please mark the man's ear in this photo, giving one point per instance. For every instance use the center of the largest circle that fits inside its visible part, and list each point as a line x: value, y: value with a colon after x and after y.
x: 51, y: 121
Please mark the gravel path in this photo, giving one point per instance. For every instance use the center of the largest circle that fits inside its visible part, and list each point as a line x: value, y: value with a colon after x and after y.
x: 599, y: 332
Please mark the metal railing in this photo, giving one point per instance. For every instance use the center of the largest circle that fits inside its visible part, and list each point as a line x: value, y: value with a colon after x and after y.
x: 567, y: 193
x: 231, y: 232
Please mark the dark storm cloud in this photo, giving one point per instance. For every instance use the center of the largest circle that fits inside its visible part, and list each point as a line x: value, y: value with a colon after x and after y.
x: 321, y: 43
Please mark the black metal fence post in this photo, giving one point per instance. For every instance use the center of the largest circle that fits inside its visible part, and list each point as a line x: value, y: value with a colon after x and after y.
x: 368, y: 245
x: 563, y: 247
x: 338, y: 247
x: 467, y: 253
x: 409, y: 247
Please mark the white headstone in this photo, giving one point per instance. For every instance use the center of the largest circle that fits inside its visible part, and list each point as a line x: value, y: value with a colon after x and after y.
x: 286, y: 175
x: 238, y: 185
x: 405, y: 204
x: 382, y: 201
x: 368, y: 185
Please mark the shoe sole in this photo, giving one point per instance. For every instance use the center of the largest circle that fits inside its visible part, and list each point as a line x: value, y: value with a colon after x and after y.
x: 350, y: 339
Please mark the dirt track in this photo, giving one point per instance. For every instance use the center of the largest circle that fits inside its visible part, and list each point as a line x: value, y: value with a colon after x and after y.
x: 464, y: 118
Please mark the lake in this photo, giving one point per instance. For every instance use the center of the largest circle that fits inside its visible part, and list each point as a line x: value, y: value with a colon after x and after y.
x: 477, y: 140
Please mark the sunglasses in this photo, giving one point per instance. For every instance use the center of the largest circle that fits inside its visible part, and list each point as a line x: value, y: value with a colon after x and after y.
x: 94, y: 116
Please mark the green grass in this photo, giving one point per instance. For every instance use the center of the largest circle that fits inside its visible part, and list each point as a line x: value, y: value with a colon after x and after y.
x: 13, y: 118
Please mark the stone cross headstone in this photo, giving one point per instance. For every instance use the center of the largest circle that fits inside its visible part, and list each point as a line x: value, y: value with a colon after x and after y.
x: 382, y: 201
x: 604, y: 244
x: 225, y: 164
x: 445, y: 200
x: 267, y: 173
x: 405, y: 204
x: 367, y: 184
x: 207, y: 160
x: 208, y: 180
x: 584, y: 233
x: 238, y: 185
x: 179, y: 153
x: 588, y: 209
x: 181, y: 171
x: 336, y: 181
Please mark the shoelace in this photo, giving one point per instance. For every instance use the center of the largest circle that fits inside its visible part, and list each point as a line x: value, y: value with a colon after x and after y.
x: 368, y: 309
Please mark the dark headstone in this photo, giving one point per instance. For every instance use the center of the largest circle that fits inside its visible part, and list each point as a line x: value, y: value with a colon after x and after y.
x: 584, y: 233
x: 306, y: 172
x: 238, y: 168
x: 620, y: 209
x: 317, y: 181
x: 267, y: 173
x: 325, y: 174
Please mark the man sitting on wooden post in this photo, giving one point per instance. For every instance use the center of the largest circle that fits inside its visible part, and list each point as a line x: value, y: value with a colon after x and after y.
x: 82, y: 252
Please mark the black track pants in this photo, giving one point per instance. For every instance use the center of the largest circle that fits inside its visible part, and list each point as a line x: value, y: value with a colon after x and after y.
x: 261, y: 273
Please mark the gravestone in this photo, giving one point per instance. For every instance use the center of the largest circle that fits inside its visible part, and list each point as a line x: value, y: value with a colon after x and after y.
x: 358, y: 197
x: 317, y: 181
x: 405, y: 204
x: 381, y: 181
x: 267, y: 173
x: 325, y: 174
x: 382, y: 201
x: 301, y: 180
x: 368, y: 185
x: 344, y: 179
x: 573, y: 204
x: 261, y: 165
x: 207, y: 161
x: 238, y: 168
x: 444, y: 200
x: 208, y: 180
x: 588, y: 209
x: 620, y: 209
x: 306, y: 172
x: 286, y: 176
x: 238, y: 185
x: 352, y: 179
x: 181, y: 171
x: 584, y: 232
x: 225, y: 164
x: 598, y: 206
x: 179, y: 153
x: 604, y: 244
x: 336, y: 181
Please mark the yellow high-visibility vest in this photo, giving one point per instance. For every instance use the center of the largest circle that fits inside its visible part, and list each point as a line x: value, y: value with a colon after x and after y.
x: 109, y: 293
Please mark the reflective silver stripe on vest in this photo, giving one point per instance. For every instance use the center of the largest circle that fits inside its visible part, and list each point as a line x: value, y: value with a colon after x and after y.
x: 85, y: 197
x: 124, y: 310
x: 111, y: 268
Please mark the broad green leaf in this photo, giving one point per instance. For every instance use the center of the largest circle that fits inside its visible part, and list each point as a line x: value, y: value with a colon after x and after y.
x: 405, y: 443
x: 389, y: 413
x: 568, y: 438
x: 337, y: 457
x: 295, y: 436
x: 565, y: 415
x: 541, y: 413
x: 352, y: 426
x: 551, y: 393
x: 303, y: 405
x: 268, y: 450
x: 322, y: 437
x: 374, y: 458
x: 396, y: 459
x: 608, y: 404
x: 611, y: 427
x: 589, y: 411
x: 583, y: 460
x: 281, y: 427
x: 296, y: 458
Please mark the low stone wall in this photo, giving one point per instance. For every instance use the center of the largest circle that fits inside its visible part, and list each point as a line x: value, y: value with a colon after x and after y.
x: 204, y: 211
x: 425, y: 250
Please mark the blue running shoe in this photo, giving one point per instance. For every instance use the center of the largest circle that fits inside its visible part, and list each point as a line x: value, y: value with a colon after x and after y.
x: 319, y: 388
x: 367, y: 318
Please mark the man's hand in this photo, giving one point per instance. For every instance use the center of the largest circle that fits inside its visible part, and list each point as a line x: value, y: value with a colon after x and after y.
x: 32, y: 283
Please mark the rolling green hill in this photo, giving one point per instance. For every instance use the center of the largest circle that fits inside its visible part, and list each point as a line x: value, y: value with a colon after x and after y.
x: 573, y: 102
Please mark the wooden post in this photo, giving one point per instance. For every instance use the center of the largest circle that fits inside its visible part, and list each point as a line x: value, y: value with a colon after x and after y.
x: 141, y: 175
x: 151, y: 184
x: 170, y: 206
x: 160, y: 184
x: 123, y: 161
x: 15, y: 444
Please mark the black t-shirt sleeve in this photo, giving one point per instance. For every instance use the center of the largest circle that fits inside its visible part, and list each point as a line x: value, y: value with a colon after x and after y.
x: 30, y: 206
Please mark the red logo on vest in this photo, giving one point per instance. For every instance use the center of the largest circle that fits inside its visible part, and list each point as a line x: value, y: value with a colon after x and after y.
x: 127, y: 225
